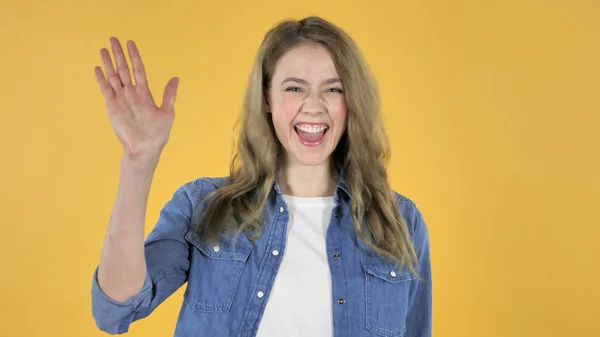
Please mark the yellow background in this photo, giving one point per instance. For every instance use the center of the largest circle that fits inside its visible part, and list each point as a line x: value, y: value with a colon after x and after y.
x: 492, y: 107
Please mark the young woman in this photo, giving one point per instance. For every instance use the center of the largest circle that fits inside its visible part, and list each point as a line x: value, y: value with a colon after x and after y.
x: 305, y: 237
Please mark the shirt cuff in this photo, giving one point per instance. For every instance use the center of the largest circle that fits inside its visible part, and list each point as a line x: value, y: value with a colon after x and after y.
x: 112, y: 316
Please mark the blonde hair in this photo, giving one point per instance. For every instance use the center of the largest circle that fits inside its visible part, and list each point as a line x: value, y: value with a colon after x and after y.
x: 362, y: 153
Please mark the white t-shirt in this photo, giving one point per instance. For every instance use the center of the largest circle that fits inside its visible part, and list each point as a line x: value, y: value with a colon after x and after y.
x: 300, y: 302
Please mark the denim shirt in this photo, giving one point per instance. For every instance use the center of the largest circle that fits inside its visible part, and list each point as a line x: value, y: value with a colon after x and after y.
x: 228, y: 284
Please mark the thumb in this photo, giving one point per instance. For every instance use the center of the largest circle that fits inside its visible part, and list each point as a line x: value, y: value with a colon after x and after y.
x: 168, y: 103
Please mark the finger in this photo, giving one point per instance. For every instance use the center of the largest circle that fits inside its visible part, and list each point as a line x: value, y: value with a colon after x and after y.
x: 168, y: 103
x: 105, y: 87
x: 122, y: 68
x: 109, y: 69
x: 139, y: 73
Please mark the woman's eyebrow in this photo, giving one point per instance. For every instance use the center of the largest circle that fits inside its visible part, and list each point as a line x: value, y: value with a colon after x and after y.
x: 302, y: 81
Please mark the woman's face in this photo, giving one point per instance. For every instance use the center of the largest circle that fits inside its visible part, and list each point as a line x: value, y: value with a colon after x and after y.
x: 307, y: 104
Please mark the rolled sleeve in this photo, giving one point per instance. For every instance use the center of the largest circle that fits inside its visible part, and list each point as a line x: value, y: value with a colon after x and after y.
x: 115, y: 317
x: 167, y: 261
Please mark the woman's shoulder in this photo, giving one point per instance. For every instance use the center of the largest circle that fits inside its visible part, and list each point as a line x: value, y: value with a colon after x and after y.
x: 410, y: 212
x: 197, y: 188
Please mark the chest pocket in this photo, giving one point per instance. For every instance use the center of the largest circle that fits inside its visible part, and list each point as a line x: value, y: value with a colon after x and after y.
x: 387, y: 292
x: 215, y: 272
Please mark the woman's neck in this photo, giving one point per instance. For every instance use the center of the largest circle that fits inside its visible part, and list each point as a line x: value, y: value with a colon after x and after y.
x: 307, y: 181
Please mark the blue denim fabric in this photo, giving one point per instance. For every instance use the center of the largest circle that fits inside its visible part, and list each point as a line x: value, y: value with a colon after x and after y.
x: 370, y: 296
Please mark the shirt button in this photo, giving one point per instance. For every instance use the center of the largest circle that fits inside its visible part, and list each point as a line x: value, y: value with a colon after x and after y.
x: 393, y: 273
x: 260, y: 294
x: 216, y: 248
x: 341, y: 301
x: 275, y: 252
x: 336, y: 214
x: 281, y: 209
x: 336, y: 256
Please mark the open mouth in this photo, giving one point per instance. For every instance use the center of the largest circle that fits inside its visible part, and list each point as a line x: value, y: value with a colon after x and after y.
x: 311, y: 134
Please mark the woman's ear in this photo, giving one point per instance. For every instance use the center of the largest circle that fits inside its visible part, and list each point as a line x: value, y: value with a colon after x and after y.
x: 267, y: 102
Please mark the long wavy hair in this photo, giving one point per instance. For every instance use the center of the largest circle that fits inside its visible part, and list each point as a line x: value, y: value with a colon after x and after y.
x: 362, y: 153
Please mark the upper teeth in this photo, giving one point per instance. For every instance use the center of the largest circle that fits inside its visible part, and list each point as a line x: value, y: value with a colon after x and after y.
x: 312, y: 128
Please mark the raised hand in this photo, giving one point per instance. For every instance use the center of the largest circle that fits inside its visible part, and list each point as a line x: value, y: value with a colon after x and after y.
x: 141, y: 126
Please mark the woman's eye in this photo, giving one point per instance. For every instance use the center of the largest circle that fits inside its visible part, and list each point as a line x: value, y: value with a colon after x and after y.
x: 297, y: 89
